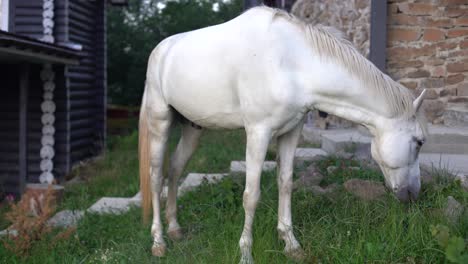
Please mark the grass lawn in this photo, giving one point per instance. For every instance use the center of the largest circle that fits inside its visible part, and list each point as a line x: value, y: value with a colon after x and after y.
x: 337, y: 228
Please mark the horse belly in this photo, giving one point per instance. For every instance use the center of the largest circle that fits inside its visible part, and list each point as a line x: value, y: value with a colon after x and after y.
x: 207, y: 106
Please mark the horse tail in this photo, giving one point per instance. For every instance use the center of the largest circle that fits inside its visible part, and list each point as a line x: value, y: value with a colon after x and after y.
x: 144, y: 159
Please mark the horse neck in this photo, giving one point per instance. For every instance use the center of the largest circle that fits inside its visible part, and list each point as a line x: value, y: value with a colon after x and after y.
x: 344, y: 96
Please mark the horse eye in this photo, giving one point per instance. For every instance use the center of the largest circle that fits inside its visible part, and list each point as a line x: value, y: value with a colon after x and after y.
x: 420, y: 142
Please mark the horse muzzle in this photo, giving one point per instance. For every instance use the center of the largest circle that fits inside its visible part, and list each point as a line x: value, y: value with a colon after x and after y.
x: 408, y: 193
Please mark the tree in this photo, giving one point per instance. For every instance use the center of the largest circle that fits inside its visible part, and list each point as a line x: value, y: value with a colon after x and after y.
x: 135, y: 30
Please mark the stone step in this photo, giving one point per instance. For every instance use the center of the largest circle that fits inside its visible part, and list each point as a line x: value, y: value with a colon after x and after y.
x: 239, y: 166
x: 455, y: 164
x: 193, y: 180
x: 447, y: 140
x: 456, y: 114
x: 112, y: 205
x: 308, y: 153
x: 345, y: 140
x: 441, y: 139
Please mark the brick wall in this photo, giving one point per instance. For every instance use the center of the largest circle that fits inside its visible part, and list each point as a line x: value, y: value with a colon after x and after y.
x: 427, y: 47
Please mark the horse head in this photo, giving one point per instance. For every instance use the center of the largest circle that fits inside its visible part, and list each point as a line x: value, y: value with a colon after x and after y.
x: 396, y: 147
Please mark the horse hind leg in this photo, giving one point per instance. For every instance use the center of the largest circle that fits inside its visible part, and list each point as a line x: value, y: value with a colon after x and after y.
x: 185, y: 148
x: 159, y: 123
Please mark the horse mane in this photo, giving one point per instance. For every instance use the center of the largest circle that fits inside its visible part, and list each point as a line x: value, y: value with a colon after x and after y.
x: 332, y: 44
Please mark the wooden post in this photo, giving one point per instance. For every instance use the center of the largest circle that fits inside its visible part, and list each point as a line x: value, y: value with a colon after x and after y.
x: 251, y: 3
x: 378, y: 34
x: 23, y: 112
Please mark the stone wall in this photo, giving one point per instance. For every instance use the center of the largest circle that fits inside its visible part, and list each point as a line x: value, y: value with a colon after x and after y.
x: 350, y: 16
x: 427, y: 47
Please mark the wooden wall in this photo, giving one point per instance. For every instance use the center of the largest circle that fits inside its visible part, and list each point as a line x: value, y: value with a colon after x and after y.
x: 80, y: 94
x: 9, y: 127
x: 86, y: 82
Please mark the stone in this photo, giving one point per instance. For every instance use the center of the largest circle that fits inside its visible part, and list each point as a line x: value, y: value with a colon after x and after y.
x: 317, y: 190
x: 433, y: 35
x: 310, y: 177
x: 240, y: 166
x: 417, y: 8
x: 456, y: 115
x: 456, y: 67
x: 194, y: 180
x: 433, y: 109
x: 331, y: 169
x: 452, y: 163
x: 112, y: 205
x: 457, y: 32
x: 66, y: 218
x: 346, y: 140
x: 463, y: 179
x: 9, y: 232
x: 365, y: 189
x: 403, y: 34
x: 453, y: 209
x: 308, y: 153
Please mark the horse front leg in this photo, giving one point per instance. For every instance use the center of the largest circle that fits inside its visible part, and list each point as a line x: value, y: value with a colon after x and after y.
x: 286, y: 148
x: 257, y: 144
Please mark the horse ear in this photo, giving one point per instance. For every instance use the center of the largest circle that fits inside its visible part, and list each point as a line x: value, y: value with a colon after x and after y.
x: 418, y: 101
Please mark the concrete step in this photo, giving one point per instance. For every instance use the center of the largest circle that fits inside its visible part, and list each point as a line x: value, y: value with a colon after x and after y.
x: 345, y: 140
x: 447, y: 140
x: 239, y: 166
x: 455, y: 164
x: 441, y: 139
x: 308, y: 153
x: 456, y: 114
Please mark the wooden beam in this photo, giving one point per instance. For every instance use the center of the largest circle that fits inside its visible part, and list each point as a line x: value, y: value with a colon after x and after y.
x: 378, y: 34
x: 23, y: 119
x: 251, y: 3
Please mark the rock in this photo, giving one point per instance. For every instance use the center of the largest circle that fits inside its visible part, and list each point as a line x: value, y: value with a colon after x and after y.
x: 240, y: 166
x: 365, y: 189
x: 309, y: 154
x: 310, y: 177
x: 331, y: 169
x: 195, y: 179
x: 9, y: 232
x: 112, y: 205
x: 317, y: 190
x: 463, y: 181
x: 354, y: 168
x: 66, y: 218
x: 453, y: 210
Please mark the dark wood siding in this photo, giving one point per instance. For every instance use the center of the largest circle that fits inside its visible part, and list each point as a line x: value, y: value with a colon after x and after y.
x: 86, y: 81
x: 9, y: 128
x: 27, y: 18
x: 35, y: 125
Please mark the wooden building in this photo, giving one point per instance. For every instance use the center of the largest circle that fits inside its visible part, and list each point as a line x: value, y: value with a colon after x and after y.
x: 53, y: 88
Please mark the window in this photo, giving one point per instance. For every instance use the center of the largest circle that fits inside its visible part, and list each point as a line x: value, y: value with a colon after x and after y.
x: 4, y: 14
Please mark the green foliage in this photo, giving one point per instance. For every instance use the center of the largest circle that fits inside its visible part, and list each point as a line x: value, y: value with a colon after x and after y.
x: 134, y: 31
x: 454, y: 246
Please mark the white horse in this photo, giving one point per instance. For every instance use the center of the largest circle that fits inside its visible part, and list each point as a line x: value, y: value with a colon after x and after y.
x: 263, y: 71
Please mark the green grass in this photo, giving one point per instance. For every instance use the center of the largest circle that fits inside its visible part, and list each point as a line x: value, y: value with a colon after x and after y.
x: 332, y: 229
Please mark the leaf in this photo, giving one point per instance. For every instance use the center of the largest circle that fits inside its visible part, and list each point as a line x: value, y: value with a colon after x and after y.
x: 454, y: 249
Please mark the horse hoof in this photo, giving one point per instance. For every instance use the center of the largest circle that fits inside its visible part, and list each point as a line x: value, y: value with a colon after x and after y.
x: 296, y: 254
x: 176, y: 234
x: 246, y: 260
x: 158, y: 250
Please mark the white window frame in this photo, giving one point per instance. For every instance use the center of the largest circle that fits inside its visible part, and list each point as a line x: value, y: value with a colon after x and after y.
x: 5, y: 6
